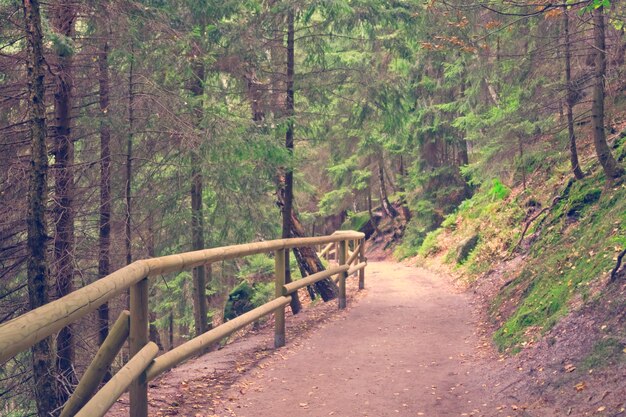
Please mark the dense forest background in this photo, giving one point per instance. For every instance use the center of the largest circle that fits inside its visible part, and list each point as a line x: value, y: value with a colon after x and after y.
x: 133, y: 129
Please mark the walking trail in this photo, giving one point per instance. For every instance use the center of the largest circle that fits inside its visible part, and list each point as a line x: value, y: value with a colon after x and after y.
x: 406, y: 346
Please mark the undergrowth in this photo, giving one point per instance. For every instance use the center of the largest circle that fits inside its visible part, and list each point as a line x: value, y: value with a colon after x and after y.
x: 579, y: 245
x: 572, y: 245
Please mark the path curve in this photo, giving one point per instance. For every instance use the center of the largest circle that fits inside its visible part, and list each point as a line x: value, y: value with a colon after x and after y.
x: 406, y: 349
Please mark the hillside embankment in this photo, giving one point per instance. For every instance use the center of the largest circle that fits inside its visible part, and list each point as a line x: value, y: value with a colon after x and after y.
x: 543, y: 258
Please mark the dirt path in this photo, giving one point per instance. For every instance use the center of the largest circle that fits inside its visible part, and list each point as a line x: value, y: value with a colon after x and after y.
x: 401, y: 351
x: 406, y: 346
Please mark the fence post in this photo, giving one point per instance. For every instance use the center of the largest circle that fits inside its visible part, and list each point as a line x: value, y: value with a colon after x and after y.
x: 343, y: 249
x: 138, y: 339
x: 279, y: 314
x: 362, y: 270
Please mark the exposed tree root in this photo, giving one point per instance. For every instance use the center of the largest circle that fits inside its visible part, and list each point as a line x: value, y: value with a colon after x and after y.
x: 555, y: 201
x: 618, y: 264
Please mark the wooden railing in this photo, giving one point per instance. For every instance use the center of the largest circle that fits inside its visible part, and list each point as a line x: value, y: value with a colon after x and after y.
x: 26, y: 330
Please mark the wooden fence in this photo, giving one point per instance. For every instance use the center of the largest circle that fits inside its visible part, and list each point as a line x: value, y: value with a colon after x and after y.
x: 26, y: 330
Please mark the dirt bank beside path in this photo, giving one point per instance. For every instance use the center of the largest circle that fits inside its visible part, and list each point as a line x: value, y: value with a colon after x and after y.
x: 407, y: 349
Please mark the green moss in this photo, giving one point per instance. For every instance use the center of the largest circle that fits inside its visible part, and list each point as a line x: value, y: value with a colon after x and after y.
x: 430, y: 246
x: 579, y: 201
x: 498, y: 190
x: 449, y: 222
x: 606, y: 352
x: 565, y: 259
x: 356, y: 221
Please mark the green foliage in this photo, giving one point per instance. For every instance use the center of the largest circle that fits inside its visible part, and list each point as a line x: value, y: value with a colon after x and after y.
x: 257, y: 265
x: 450, y: 221
x: 245, y: 297
x: 577, y: 202
x: 498, y: 191
x: 423, y: 221
x: 174, y: 292
x: 62, y: 45
x: 332, y: 201
x: 563, y: 264
x: 356, y: 221
x: 239, y: 300
x: 430, y: 246
x: 263, y: 293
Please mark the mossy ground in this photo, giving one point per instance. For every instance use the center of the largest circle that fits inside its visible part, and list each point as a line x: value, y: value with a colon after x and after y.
x: 570, y: 247
x: 579, y: 245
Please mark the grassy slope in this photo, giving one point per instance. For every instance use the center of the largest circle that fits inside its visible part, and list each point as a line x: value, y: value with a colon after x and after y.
x: 568, y: 252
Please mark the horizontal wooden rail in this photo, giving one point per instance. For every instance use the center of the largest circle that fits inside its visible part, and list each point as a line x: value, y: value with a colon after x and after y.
x: 24, y: 331
x: 106, y: 397
x: 357, y: 267
x: 327, y: 249
x: 354, y: 255
x: 312, y: 279
x: 172, y: 358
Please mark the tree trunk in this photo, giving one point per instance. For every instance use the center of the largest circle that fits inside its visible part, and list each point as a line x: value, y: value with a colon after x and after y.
x: 104, y: 238
x: 42, y: 355
x: 197, y: 216
x: 308, y: 261
x: 609, y: 164
x: 371, y: 213
x: 388, y: 208
x: 129, y: 156
x: 64, y: 196
x: 578, y: 173
x: 311, y: 263
x: 295, y: 304
x: 406, y: 213
x: 463, y: 154
x: 170, y: 331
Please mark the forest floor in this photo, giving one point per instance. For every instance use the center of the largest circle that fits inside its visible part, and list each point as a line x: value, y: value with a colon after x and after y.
x: 411, y: 344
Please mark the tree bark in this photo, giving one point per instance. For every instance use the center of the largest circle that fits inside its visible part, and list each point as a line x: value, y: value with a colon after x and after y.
x: 406, y: 213
x: 42, y: 355
x: 197, y: 215
x: 388, y: 208
x: 129, y: 156
x: 578, y: 173
x: 104, y: 237
x: 295, y: 304
x: 463, y: 154
x: 609, y: 164
x: 371, y: 213
x: 64, y: 194
x: 309, y: 262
